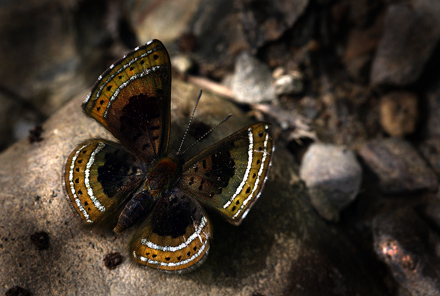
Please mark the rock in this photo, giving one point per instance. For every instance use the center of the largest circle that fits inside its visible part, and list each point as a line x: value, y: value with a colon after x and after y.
x: 410, y: 35
x: 399, y: 113
x: 281, y: 248
x: 152, y: 20
x: 430, y: 150
x: 182, y: 63
x: 398, y: 166
x: 333, y: 178
x: 252, y: 82
x: 289, y: 84
x: 407, y: 245
x: 265, y: 21
x: 432, y: 127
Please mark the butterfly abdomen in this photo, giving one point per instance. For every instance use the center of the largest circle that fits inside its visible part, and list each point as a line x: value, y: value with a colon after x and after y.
x: 139, y: 206
x: 161, y: 176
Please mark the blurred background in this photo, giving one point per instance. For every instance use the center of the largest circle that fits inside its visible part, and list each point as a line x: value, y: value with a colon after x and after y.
x: 353, y: 70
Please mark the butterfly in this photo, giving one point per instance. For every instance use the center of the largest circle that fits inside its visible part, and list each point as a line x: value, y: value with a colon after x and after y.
x: 137, y: 182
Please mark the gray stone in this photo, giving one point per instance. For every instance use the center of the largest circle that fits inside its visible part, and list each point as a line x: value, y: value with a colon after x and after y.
x: 281, y: 248
x: 398, y: 166
x: 410, y: 35
x: 407, y: 245
x: 333, y: 178
x: 252, y: 82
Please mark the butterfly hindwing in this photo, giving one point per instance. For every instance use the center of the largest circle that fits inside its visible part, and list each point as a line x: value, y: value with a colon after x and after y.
x: 175, y: 236
x: 99, y: 177
x: 229, y: 175
x: 132, y: 100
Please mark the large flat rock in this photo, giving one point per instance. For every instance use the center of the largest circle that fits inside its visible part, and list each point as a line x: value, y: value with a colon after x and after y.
x: 282, y: 248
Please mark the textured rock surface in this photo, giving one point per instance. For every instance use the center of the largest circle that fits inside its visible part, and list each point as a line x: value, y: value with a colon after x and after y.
x: 333, y: 178
x: 282, y: 248
x: 398, y: 166
x: 411, y: 32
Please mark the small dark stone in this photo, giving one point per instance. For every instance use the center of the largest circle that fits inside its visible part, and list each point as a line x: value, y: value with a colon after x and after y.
x: 40, y: 240
x: 35, y: 134
x: 398, y: 166
x: 17, y: 291
x: 112, y: 260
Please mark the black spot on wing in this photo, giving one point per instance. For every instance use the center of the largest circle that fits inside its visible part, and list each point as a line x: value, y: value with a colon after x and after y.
x: 174, y: 213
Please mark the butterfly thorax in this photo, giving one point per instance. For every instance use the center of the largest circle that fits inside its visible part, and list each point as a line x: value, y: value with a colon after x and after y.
x: 161, y: 177
x: 163, y: 174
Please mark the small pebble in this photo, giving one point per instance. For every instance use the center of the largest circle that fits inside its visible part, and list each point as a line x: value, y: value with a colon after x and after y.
x: 182, y: 63
x: 289, y: 84
x: 112, y: 260
x: 252, y: 81
x: 333, y: 178
x: 399, y: 113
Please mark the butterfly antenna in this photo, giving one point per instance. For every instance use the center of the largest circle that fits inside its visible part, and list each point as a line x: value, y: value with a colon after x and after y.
x: 207, y: 133
x: 190, y: 120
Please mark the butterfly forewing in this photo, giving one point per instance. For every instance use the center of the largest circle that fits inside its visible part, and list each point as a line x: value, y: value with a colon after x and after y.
x: 230, y: 175
x: 99, y: 177
x: 175, y: 236
x: 132, y: 100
